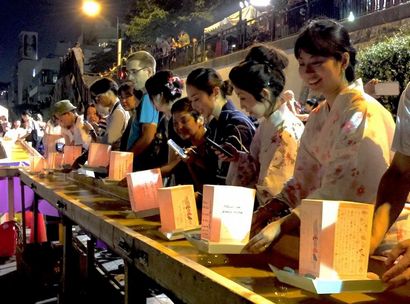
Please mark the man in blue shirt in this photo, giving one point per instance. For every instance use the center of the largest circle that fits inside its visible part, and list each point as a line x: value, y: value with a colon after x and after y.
x: 142, y: 125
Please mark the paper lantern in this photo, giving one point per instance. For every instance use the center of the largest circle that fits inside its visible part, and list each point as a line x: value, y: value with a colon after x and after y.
x: 335, y: 239
x: 142, y: 189
x: 227, y: 214
x: 120, y: 164
x: 71, y: 153
x: 177, y: 208
x: 99, y: 155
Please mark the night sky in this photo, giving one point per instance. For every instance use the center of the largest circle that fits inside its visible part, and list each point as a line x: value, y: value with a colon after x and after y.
x: 54, y: 20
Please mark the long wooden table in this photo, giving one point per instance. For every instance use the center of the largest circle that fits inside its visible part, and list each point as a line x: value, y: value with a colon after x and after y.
x: 192, y: 276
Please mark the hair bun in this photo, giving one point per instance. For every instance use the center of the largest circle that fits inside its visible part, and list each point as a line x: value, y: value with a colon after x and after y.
x: 227, y: 87
x: 272, y: 57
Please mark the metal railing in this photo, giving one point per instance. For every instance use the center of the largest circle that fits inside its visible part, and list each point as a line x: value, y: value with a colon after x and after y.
x: 268, y: 26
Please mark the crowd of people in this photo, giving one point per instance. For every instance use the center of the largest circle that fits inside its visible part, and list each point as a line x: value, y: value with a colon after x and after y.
x: 268, y: 25
x: 342, y: 152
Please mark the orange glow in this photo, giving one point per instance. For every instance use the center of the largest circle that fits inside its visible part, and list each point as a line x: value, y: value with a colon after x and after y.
x: 91, y: 8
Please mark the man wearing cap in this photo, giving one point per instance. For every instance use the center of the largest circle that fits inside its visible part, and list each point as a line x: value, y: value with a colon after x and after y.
x: 105, y: 93
x: 72, y: 124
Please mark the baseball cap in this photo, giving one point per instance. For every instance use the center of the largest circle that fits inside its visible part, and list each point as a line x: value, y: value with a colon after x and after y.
x: 63, y: 106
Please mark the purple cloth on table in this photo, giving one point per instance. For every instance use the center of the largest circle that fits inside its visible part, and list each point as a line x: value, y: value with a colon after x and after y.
x: 44, y: 207
x: 4, y: 195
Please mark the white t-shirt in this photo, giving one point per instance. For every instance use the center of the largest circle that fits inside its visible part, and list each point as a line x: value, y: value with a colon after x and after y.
x: 78, y: 135
x: 401, y: 141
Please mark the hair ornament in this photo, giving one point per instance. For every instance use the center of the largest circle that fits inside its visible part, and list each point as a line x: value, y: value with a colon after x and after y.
x: 170, y: 85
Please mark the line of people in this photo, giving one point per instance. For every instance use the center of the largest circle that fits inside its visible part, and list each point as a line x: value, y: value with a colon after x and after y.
x: 341, y: 154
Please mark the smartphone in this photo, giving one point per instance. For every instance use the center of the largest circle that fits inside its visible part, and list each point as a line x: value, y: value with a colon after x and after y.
x: 389, y: 88
x: 218, y: 147
x: 177, y: 149
x: 60, y: 147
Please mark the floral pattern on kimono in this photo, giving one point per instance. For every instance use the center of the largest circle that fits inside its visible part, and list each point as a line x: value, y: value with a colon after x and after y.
x: 344, y: 150
x: 272, y: 156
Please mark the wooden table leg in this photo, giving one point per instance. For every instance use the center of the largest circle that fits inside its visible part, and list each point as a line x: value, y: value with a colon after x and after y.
x: 35, y: 217
x: 10, y: 181
x: 23, y: 214
x: 90, y: 258
x: 137, y: 285
x: 67, y: 277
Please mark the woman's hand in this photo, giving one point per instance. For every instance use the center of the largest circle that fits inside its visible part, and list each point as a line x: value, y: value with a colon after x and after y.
x: 370, y: 87
x: 264, y: 238
x: 231, y: 149
x: 398, y: 265
x: 191, y: 155
x: 123, y: 182
x: 266, y: 213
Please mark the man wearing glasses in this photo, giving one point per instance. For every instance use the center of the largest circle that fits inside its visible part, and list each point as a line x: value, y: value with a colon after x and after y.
x: 142, y: 125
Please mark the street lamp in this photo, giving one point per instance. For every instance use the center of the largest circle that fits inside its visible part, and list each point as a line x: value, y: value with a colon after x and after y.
x: 260, y: 3
x: 93, y: 8
x: 242, y: 5
x: 351, y: 17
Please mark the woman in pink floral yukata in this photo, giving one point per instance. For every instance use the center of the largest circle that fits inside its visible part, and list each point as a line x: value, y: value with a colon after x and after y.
x: 345, y: 148
x: 259, y: 81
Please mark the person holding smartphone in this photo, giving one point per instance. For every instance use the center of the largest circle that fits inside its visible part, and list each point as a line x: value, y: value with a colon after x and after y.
x: 258, y: 82
x: 189, y: 126
x: 163, y: 89
x: 225, y: 124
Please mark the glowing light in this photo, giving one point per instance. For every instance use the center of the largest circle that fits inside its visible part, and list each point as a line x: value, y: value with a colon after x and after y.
x: 260, y: 3
x: 244, y: 4
x: 91, y: 8
x: 351, y: 17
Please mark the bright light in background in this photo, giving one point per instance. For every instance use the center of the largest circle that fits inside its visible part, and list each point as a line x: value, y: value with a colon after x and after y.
x: 244, y: 4
x: 91, y: 8
x: 260, y: 3
x: 351, y: 17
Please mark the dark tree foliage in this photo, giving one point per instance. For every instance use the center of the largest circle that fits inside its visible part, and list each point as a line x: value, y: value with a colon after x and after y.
x: 104, y: 59
x: 150, y: 19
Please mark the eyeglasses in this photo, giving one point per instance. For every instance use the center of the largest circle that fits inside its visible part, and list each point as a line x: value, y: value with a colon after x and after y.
x: 135, y: 71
